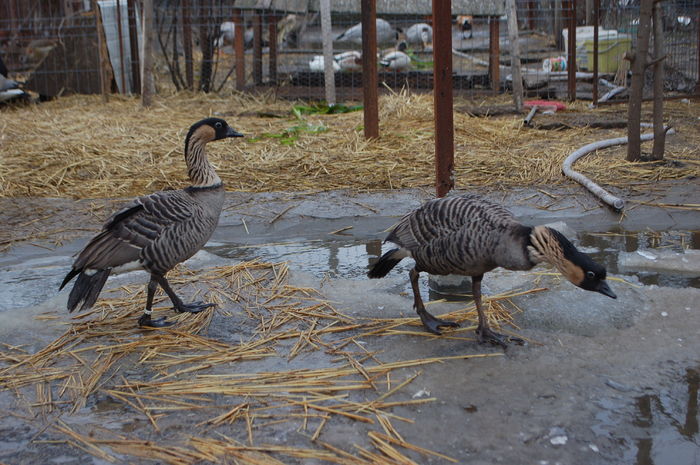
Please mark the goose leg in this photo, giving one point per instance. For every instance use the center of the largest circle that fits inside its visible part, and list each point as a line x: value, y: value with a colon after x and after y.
x: 430, y: 323
x: 483, y: 331
x: 146, y: 319
x: 180, y: 307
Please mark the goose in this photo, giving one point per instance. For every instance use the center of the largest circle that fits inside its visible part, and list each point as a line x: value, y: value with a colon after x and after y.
x: 420, y: 34
x: 464, y: 22
x: 157, y: 231
x: 469, y: 235
x: 396, y: 59
x: 385, y: 33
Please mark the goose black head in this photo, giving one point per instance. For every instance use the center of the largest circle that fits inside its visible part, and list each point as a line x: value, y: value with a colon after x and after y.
x: 576, y: 266
x: 592, y: 275
x: 211, y: 129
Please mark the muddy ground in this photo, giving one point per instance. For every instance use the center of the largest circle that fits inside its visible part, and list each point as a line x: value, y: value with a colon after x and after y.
x: 601, y: 381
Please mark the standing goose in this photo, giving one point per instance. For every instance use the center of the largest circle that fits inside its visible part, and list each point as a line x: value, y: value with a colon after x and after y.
x: 469, y: 235
x: 157, y: 231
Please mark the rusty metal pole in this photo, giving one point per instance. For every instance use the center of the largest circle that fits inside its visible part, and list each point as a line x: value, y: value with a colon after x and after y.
x: 272, y: 57
x: 596, y: 16
x: 239, y: 47
x: 120, y: 36
x: 257, y: 47
x: 494, y: 54
x: 187, y: 43
x: 369, y: 69
x: 134, y: 49
x: 102, y: 53
x: 571, y: 59
x: 697, y: 49
x: 442, y: 96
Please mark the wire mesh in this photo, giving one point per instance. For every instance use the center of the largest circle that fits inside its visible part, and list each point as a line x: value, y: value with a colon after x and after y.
x: 52, y: 46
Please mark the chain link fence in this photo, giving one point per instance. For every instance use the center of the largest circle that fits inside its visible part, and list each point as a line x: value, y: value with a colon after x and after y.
x: 52, y: 46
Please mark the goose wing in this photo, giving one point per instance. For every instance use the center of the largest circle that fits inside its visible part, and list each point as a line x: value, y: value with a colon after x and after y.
x: 134, y: 228
x: 449, y: 218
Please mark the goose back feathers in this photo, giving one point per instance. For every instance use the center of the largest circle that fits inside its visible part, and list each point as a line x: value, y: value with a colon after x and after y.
x: 466, y: 235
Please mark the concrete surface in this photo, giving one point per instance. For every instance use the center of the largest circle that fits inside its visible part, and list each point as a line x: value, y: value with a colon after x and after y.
x: 604, y: 381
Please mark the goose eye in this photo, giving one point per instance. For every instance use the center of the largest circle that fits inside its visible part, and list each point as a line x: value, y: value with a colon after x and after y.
x: 590, y: 274
x: 218, y: 125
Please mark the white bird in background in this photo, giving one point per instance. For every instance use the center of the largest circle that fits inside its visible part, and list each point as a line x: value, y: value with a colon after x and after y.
x: 349, y: 61
x: 318, y: 64
x: 385, y: 33
x: 227, y: 33
x: 395, y: 59
x: 420, y: 34
x: 7, y: 84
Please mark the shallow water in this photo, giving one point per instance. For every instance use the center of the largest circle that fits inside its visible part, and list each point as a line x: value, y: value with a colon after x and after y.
x: 351, y: 258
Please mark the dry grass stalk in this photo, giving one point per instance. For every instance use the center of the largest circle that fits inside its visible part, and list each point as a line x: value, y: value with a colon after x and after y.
x: 48, y: 155
x: 182, y: 370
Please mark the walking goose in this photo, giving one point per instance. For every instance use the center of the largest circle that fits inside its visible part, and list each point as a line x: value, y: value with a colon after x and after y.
x: 470, y: 235
x: 157, y: 231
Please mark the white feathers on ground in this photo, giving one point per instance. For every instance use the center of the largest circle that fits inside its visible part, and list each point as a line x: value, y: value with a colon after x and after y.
x: 385, y: 33
x: 420, y: 34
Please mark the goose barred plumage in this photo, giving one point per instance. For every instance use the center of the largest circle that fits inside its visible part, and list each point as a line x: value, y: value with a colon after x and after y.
x: 470, y: 235
x: 157, y: 231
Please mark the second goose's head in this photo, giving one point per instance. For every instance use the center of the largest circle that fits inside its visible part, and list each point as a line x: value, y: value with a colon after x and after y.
x: 210, y: 129
x: 551, y: 246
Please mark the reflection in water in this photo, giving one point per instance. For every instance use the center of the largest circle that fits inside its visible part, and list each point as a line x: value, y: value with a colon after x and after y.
x: 673, y: 428
x: 351, y: 258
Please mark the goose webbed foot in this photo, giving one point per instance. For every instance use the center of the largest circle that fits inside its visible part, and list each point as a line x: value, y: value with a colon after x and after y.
x: 149, y: 322
x: 486, y: 334
x: 194, y: 307
x: 433, y: 324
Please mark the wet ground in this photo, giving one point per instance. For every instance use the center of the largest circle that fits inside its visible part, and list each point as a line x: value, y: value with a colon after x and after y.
x: 601, y: 381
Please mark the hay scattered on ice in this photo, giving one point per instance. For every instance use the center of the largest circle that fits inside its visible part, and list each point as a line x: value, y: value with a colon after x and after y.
x: 160, y: 375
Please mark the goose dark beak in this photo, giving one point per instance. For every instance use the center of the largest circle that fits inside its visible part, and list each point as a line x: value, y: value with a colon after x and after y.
x: 604, y: 289
x: 230, y: 132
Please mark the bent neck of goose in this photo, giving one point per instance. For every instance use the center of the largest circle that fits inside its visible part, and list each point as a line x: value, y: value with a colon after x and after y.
x: 201, y: 172
x: 549, y: 245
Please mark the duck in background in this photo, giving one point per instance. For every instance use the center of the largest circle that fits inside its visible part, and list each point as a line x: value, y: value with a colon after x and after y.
x: 420, y: 34
x: 385, y: 33
x: 396, y: 59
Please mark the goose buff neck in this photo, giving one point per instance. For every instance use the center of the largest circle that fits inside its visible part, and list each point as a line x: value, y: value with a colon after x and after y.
x: 552, y: 247
x: 200, y: 171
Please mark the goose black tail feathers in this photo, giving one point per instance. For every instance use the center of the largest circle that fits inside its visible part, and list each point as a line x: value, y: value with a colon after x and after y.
x: 385, y: 263
x: 86, y: 288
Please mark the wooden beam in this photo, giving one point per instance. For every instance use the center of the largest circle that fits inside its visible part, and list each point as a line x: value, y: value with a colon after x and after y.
x: 494, y: 54
x: 257, y: 48
x: 239, y: 47
x: 442, y: 96
x: 187, y: 43
x: 134, y: 49
x: 596, y: 20
x: 571, y: 58
x: 272, y: 57
x: 369, y: 68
